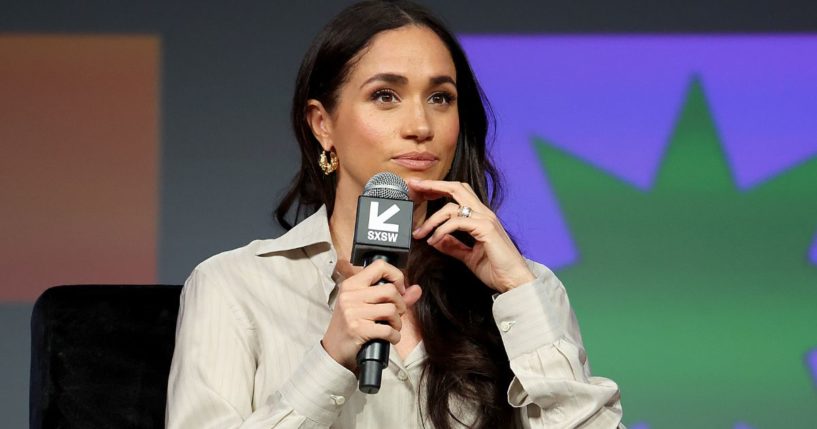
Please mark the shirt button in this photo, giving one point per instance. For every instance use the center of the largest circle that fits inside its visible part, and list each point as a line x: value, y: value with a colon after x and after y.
x: 402, y: 376
x: 338, y: 400
x: 507, y: 325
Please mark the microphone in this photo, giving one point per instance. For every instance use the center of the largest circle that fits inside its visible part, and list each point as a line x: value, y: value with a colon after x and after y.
x: 382, y: 231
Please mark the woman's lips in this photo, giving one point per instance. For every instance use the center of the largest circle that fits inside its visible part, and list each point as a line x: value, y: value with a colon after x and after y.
x: 416, y: 161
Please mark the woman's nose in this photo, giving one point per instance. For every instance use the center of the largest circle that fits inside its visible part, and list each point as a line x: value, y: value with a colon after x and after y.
x: 417, y: 125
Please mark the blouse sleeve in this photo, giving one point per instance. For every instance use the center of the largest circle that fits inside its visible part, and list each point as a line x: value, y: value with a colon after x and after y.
x: 552, y: 386
x: 213, y: 371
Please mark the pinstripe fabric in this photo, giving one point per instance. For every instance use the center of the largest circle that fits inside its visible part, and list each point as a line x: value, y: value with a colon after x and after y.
x: 248, y: 351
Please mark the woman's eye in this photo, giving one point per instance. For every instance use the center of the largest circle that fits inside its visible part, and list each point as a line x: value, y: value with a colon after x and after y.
x: 441, y: 98
x: 384, y: 96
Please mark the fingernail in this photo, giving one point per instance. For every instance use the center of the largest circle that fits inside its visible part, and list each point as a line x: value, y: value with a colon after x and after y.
x: 415, y: 231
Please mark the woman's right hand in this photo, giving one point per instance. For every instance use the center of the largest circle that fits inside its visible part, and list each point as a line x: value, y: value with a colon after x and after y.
x: 358, y: 306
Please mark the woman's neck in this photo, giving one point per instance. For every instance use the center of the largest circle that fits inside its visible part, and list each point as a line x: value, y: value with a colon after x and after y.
x: 342, y: 226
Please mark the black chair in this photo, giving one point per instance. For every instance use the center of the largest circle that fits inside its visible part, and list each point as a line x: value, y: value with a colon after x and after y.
x: 100, y: 356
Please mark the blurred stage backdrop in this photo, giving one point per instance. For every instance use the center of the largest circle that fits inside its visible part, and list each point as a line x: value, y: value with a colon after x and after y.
x: 663, y: 160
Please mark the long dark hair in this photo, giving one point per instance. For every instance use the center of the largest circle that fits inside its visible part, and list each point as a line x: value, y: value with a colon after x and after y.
x: 466, y: 361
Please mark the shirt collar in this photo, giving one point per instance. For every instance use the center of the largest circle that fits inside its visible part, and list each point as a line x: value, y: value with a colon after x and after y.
x: 306, y: 235
x: 312, y: 230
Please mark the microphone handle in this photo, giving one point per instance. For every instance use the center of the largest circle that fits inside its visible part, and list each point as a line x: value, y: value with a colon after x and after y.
x: 373, y: 357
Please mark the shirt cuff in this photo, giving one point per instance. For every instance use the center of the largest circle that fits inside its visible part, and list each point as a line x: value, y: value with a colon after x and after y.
x: 532, y: 315
x: 319, y: 387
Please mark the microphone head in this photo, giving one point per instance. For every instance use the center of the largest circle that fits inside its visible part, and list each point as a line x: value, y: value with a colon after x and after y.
x: 386, y: 185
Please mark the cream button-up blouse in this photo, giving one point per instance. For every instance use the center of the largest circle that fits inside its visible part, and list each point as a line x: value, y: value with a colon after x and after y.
x: 248, y: 351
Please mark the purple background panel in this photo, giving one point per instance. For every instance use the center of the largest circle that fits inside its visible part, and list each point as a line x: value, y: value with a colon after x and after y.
x: 811, y: 363
x: 613, y: 101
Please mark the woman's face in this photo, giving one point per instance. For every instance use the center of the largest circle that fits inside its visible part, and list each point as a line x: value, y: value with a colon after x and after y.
x: 397, y: 111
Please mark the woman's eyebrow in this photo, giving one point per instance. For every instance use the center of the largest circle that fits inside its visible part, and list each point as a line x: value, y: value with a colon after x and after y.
x: 388, y: 78
x: 439, y: 80
x: 397, y: 79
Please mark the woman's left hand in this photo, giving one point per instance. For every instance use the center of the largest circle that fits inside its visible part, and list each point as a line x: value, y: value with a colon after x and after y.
x: 494, y: 259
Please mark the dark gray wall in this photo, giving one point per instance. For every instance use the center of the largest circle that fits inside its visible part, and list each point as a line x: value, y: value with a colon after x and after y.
x: 227, y: 73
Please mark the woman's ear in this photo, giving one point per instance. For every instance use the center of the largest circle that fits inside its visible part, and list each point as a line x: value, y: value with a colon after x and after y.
x: 320, y: 122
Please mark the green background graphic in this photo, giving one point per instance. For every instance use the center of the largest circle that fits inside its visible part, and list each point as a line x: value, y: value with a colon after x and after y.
x: 696, y: 297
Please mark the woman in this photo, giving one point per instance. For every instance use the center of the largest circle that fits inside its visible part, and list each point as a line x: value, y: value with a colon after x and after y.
x: 268, y: 333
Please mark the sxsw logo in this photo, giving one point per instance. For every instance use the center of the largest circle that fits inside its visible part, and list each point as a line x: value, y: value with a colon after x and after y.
x: 379, y: 229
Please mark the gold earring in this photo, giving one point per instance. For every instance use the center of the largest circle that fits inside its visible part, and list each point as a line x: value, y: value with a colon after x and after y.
x: 328, y: 166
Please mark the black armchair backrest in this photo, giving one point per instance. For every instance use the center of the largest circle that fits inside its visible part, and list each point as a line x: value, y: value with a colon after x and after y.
x: 100, y: 356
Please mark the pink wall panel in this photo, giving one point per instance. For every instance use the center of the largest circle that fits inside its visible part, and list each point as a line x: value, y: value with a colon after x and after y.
x: 80, y: 159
